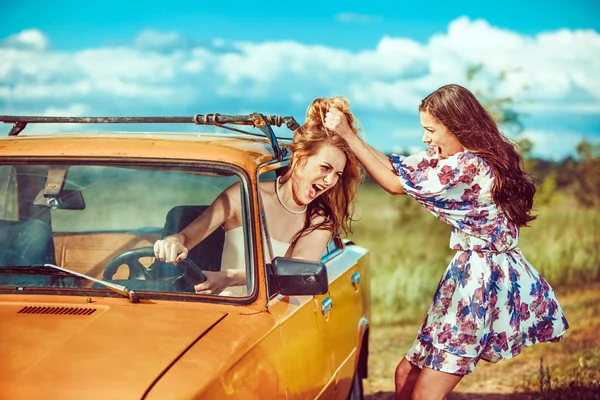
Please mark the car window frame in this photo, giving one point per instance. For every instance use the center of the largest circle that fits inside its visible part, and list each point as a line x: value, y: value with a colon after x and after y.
x: 248, y: 219
x: 264, y: 168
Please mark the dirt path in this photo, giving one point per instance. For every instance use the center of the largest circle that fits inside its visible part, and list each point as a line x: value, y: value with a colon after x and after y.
x: 573, y: 363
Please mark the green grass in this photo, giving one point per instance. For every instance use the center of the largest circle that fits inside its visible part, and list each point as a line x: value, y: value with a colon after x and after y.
x: 563, y: 244
x: 409, y: 249
x: 572, y: 369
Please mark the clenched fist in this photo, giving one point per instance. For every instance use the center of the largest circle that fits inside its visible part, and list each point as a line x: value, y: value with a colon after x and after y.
x: 336, y: 121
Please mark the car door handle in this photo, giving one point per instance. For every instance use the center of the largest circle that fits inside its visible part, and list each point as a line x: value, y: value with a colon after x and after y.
x: 326, y: 305
x: 356, y: 280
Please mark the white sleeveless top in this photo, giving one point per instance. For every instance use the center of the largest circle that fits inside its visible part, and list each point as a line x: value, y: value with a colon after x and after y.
x: 234, y: 256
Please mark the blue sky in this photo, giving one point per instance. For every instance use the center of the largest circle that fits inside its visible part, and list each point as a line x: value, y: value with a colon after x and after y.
x: 183, y: 57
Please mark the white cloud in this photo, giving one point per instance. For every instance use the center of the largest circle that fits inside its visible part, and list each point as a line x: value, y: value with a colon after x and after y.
x: 397, y: 149
x: 549, y: 64
x: 151, y: 39
x: 74, y: 110
x: 553, y: 73
x: 563, y: 108
x: 355, y: 17
x: 554, y: 145
x: 32, y: 39
x: 415, y: 149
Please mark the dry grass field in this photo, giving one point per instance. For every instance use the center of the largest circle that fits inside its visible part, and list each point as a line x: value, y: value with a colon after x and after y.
x: 409, y: 253
x: 571, y: 368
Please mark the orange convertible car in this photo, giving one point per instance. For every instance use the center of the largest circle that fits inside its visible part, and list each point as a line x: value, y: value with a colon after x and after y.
x: 86, y: 310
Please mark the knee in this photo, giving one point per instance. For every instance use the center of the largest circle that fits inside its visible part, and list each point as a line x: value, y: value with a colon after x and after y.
x: 405, y: 377
x: 403, y: 374
x: 419, y: 393
x: 431, y: 388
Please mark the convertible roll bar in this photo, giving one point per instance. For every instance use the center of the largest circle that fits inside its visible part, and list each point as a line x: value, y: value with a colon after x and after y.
x: 260, y: 121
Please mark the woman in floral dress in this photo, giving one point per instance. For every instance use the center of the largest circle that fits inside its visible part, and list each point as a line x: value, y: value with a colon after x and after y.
x: 490, y: 302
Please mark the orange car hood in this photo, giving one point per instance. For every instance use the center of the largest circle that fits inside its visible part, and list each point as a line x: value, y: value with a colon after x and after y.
x: 114, y: 352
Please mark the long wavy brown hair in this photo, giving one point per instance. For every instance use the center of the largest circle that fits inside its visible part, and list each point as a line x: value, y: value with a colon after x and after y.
x: 459, y: 111
x: 336, y: 204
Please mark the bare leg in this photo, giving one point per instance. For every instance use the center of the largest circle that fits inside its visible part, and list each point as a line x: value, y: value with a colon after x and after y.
x: 405, y: 377
x: 434, y: 385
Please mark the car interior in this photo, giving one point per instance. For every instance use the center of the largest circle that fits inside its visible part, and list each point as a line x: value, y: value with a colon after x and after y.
x: 102, y: 221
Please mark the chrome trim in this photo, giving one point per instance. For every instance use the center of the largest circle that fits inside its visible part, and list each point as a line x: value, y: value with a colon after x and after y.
x: 331, y: 255
x: 326, y: 305
x: 355, y: 280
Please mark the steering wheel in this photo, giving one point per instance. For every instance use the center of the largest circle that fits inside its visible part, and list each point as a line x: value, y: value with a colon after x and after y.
x: 191, y: 275
x: 132, y: 259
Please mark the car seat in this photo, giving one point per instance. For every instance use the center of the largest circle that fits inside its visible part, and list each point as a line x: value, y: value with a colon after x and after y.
x: 26, y: 243
x: 207, y: 254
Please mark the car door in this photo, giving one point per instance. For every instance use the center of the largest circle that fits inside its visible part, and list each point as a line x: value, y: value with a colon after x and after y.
x: 307, y: 347
x: 347, y: 310
x: 320, y: 334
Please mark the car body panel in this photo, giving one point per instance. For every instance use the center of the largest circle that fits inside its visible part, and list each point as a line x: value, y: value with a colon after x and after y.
x: 227, y: 365
x: 310, y: 368
x: 239, y: 151
x: 68, y: 354
x: 343, y: 319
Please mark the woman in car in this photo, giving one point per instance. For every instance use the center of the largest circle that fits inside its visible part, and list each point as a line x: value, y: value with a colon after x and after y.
x: 304, y: 207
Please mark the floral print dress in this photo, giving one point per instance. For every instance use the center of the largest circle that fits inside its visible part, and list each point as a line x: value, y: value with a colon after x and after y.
x: 490, y: 302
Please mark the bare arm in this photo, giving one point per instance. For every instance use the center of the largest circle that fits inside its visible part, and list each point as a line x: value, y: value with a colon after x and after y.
x: 225, y: 208
x: 174, y: 248
x: 386, y: 178
x: 385, y: 160
x: 375, y: 162
x: 312, y: 246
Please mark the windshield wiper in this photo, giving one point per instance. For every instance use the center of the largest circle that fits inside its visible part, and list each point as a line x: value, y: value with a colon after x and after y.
x: 120, y: 289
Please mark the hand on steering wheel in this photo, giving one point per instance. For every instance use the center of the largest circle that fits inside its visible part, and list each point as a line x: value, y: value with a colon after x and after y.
x: 191, y: 274
x: 215, y: 283
x: 170, y: 250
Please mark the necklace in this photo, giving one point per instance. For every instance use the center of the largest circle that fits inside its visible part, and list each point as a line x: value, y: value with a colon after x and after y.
x: 281, y: 202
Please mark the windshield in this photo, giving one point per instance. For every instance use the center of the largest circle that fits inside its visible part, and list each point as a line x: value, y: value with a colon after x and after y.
x: 103, y: 221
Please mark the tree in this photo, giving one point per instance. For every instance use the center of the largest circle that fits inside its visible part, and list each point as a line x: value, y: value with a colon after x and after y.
x: 587, y: 176
x: 503, y: 110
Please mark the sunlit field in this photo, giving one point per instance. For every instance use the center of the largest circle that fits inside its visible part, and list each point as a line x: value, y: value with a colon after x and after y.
x: 409, y: 252
x: 409, y: 249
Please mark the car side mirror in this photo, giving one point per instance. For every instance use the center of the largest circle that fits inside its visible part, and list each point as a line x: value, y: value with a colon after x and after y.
x: 295, y: 277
